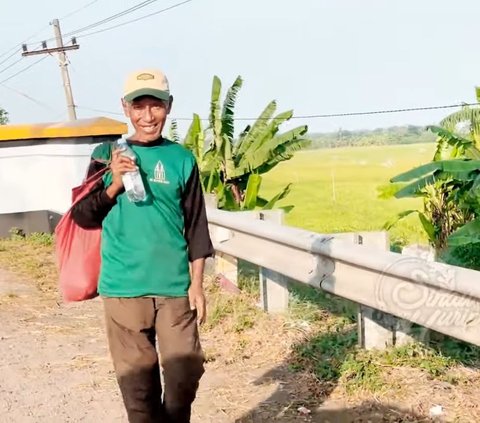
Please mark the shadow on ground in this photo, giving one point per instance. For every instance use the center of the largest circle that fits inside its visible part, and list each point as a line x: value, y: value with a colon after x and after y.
x: 366, y: 412
x: 311, y: 373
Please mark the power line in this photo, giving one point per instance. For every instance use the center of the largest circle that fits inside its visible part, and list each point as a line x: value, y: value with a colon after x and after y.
x: 32, y: 99
x: 22, y: 70
x: 319, y: 116
x: 105, y: 20
x: 91, y: 109
x: 11, y: 65
x: 17, y: 48
x: 68, y: 15
x: 112, y: 17
x: 9, y: 57
x: 137, y: 19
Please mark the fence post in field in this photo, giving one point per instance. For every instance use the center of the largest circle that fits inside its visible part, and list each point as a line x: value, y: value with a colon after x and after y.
x: 376, y: 329
x: 226, y: 267
x: 273, y: 286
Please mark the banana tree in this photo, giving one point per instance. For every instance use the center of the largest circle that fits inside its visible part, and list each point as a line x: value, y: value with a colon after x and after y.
x: 232, y: 167
x: 449, y: 186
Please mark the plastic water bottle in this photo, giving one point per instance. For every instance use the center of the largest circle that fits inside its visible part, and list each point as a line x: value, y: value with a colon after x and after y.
x: 132, y: 181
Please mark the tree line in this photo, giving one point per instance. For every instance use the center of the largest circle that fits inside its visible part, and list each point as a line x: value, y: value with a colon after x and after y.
x: 409, y: 134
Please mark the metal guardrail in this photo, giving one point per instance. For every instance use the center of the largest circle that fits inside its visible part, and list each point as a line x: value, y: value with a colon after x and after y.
x: 434, y: 295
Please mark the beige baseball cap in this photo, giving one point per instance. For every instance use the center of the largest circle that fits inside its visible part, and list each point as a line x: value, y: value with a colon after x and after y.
x: 151, y: 82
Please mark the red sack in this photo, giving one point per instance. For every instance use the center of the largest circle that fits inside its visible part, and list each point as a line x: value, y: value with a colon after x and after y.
x: 78, y: 250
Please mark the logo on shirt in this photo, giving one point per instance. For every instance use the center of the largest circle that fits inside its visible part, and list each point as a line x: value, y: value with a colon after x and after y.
x: 159, y: 174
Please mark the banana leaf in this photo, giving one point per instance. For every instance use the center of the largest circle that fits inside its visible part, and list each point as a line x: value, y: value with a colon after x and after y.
x: 467, y: 234
x: 454, y: 166
x: 280, y: 196
x: 415, y: 188
x: 269, y: 150
x: 270, y: 133
x: 261, y: 202
x: 194, y: 140
x: 251, y: 193
x: 287, y: 209
x: 387, y: 191
x: 258, y: 128
x: 428, y: 226
x: 392, y: 222
x: 229, y: 107
x: 173, y: 133
x: 215, y: 117
x: 417, y: 172
x: 282, y: 153
x: 460, y: 166
x: 451, y: 145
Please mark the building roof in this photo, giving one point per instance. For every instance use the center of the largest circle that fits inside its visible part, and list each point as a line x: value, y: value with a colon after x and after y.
x: 71, y: 129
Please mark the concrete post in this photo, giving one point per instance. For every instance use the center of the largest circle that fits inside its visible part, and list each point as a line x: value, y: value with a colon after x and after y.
x: 406, y: 332
x: 376, y: 329
x: 226, y: 267
x: 273, y: 286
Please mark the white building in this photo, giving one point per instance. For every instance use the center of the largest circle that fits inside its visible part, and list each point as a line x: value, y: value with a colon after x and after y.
x: 39, y: 166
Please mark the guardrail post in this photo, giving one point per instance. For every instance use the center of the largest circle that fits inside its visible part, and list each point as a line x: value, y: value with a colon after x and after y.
x: 376, y: 329
x: 405, y: 331
x: 273, y: 286
x: 226, y: 267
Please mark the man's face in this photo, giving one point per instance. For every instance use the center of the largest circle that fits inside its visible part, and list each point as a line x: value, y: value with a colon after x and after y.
x: 148, y: 115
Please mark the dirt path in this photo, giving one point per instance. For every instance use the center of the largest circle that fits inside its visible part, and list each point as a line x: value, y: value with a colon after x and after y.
x: 55, y: 368
x: 55, y: 365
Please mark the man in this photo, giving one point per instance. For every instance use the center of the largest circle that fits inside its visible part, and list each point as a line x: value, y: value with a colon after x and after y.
x: 153, y: 256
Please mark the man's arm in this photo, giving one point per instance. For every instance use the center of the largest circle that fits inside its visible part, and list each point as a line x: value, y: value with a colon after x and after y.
x: 198, y: 240
x: 195, y: 219
x: 91, y: 210
x: 196, y: 294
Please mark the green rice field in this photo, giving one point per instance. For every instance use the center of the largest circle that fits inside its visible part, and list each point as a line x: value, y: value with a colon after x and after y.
x: 335, y: 190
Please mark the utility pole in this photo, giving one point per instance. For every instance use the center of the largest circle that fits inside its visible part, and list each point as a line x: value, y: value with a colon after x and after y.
x: 60, y: 49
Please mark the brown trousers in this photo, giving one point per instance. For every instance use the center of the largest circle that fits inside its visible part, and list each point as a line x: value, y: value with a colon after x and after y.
x: 133, y: 324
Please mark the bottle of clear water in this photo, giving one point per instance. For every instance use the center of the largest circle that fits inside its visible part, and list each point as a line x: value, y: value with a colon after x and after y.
x: 132, y: 181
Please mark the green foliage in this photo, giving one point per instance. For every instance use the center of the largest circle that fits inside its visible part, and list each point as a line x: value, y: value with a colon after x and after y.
x: 360, y: 372
x: 238, y: 313
x: 463, y: 255
x: 326, y: 354
x: 331, y: 353
x: 38, y: 238
x: 16, y: 234
x: 3, y: 117
x: 451, y: 145
x: 449, y: 184
x: 382, y: 136
x: 174, y: 136
x: 41, y: 238
x: 232, y: 167
x: 465, y: 122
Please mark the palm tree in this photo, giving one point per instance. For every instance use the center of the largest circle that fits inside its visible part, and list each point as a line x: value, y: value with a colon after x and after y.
x: 232, y: 167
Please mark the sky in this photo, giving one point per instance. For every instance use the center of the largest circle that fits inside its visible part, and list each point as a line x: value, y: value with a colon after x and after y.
x: 312, y: 56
